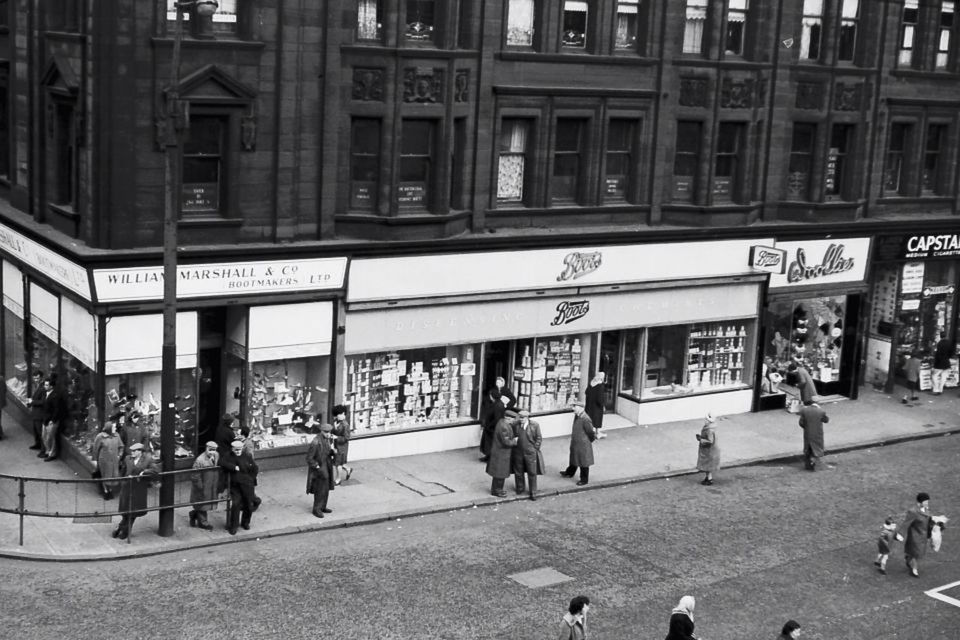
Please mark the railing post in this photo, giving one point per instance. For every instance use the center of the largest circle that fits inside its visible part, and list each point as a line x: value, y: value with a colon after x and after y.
x: 20, y: 506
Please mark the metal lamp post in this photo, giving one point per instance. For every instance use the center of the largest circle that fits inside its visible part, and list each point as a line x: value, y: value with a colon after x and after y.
x: 174, y: 123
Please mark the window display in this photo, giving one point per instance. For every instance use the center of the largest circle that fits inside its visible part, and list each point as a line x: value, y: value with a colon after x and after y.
x: 84, y: 420
x: 412, y: 388
x: 546, y: 374
x: 14, y: 357
x: 808, y: 332
x: 283, y: 396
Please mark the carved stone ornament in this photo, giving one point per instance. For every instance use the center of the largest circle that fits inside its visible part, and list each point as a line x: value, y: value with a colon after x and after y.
x: 248, y: 132
x: 848, y: 97
x: 693, y: 92
x: 368, y: 85
x: 809, y: 95
x: 737, y: 95
x: 423, y: 85
x: 461, y: 86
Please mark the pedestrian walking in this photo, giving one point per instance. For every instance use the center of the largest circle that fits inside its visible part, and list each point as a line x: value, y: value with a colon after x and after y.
x: 790, y: 631
x: 490, y: 416
x: 140, y: 473
x: 593, y: 399
x: 915, y: 531
x: 812, y: 419
x: 887, y: 535
x: 804, y: 382
x: 708, y: 452
x: 681, y: 620
x: 107, y: 450
x: 36, y: 413
x: 204, y: 482
x: 941, y: 363
x: 574, y: 623
x: 911, y: 370
x: 320, y: 470
x: 530, y: 462
x: 242, y: 473
x: 54, y: 413
x: 341, y: 432
x: 500, y: 464
x: 582, y: 436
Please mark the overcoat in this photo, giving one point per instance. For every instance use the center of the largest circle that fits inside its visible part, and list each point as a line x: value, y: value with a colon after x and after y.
x: 812, y: 419
x: 916, y: 532
x: 581, y: 441
x: 204, y: 481
x: 528, y: 447
x: 499, y: 465
x: 106, y: 451
x: 593, y: 404
x: 708, y: 455
x: 54, y: 407
x: 133, y: 493
x: 319, y: 462
x: 342, y: 431
x: 681, y: 627
x: 805, y: 383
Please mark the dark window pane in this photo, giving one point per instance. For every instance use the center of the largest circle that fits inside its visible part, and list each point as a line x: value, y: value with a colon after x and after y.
x: 366, y: 136
x: 847, y: 41
x: 414, y: 169
x: 620, y: 136
x: 688, y: 137
x: 803, y: 135
x: 420, y: 20
x: 204, y: 135
x: 566, y: 165
x: 201, y: 170
x: 934, y: 137
x: 568, y: 135
x: 416, y: 137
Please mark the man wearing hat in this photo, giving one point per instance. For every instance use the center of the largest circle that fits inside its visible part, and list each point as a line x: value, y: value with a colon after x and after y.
x: 203, y: 486
x: 241, y: 473
x: 225, y: 434
x: 141, y: 471
x: 500, y: 464
x: 320, y: 469
x: 812, y: 419
x: 527, y: 456
x: 581, y: 444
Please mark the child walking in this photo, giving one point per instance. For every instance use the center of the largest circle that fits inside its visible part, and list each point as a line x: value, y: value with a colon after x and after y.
x: 887, y: 535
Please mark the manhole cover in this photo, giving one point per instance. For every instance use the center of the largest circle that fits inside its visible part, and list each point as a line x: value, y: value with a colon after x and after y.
x: 543, y: 577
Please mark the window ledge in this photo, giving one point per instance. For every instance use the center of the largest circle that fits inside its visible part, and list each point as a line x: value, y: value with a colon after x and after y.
x: 198, y: 222
x: 515, y: 55
x: 64, y: 210
x: 222, y: 43
x: 823, y: 206
x: 949, y: 76
x: 921, y: 199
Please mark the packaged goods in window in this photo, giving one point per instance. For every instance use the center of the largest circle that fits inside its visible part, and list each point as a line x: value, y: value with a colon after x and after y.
x: 283, y: 396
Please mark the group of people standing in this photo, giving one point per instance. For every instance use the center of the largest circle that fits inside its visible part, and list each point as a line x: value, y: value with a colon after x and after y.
x: 48, y: 410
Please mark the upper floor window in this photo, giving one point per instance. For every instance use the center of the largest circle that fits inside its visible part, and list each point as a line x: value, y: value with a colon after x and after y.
x: 574, y: 24
x: 204, y: 155
x: 736, y: 26
x: 801, y: 160
x: 837, y: 170
x: 416, y: 164
x: 945, y: 35
x: 849, y: 21
x: 512, y: 166
x: 567, y: 163
x: 932, y: 179
x: 626, y: 32
x: 520, y: 15
x: 62, y: 164
x: 619, y: 165
x: 694, y: 25
x: 369, y: 20
x: 4, y: 119
x: 686, y: 160
x: 896, y: 150
x: 727, y: 161
x: 908, y: 31
x: 61, y: 16
x: 811, y: 29
x: 420, y: 21
x: 364, y: 163
x: 223, y: 21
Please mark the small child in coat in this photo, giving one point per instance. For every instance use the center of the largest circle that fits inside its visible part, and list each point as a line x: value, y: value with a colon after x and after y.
x: 887, y: 535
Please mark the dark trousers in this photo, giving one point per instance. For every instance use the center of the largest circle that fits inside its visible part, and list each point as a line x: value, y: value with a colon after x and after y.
x: 38, y: 433
x: 321, y: 492
x: 486, y: 439
x: 241, y: 505
x: 496, y: 486
x: 531, y: 483
x: 126, y: 524
x: 584, y: 473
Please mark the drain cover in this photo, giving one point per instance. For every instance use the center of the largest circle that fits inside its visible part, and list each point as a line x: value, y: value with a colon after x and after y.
x: 543, y: 577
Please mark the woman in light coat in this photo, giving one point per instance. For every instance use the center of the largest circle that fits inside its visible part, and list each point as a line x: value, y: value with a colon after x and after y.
x: 106, y: 455
x: 708, y: 455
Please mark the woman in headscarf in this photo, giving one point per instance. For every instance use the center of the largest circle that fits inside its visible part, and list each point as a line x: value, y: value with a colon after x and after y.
x: 708, y: 454
x: 681, y: 620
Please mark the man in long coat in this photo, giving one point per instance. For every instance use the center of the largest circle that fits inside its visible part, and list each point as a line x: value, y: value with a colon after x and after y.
x: 141, y: 471
x: 54, y: 415
x: 581, y: 444
x: 320, y: 470
x: 593, y: 401
x: 501, y: 464
x: 242, y: 473
x: 527, y: 456
x: 203, y: 486
x: 812, y: 419
x: 490, y: 415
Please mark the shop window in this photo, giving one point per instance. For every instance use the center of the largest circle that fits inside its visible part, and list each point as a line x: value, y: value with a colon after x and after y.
x: 621, y: 137
x: 546, y: 373
x: 369, y: 20
x: 896, y: 148
x: 908, y: 32
x: 567, y: 161
x: 412, y: 388
x: 694, y: 26
x: 364, y: 163
x: 420, y: 21
x: 727, y: 161
x: 204, y: 154
x: 811, y: 29
x: 14, y: 337
x: 838, y: 155
x: 809, y: 332
x: 736, y: 27
x: 63, y: 155
x: 931, y: 180
x: 945, y: 35
x: 416, y: 164
x: 627, y: 28
x: 512, y: 166
x: 632, y: 378
x: 222, y: 22
x: 520, y: 25
x: 926, y: 313
x: 686, y: 161
x: 801, y: 160
x: 282, y: 396
x: 849, y: 23
x: 574, y: 24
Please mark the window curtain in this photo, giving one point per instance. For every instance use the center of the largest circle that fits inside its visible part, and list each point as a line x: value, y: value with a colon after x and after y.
x: 520, y: 23
x: 367, y: 20
x: 626, y: 16
x: 693, y: 29
x: 851, y: 8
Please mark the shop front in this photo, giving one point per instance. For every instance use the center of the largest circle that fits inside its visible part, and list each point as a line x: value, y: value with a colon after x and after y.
x: 812, y: 315
x: 673, y: 327
x: 254, y: 339
x: 914, y: 293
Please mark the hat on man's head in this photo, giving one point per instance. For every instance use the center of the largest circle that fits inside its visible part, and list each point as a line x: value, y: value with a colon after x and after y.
x: 136, y: 447
x: 577, y: 403
x: 510, y: 413
x: 212, y: 445
x: 237, y: 444
x: 923, y: 496
x: 524, y: 413
x: 326, y: 427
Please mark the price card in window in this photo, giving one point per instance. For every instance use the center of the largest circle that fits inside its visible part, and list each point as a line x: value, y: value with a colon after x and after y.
x: 468, y: 369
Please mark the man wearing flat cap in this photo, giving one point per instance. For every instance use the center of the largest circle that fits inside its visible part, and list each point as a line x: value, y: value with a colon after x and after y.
x: 241, y: 473
x: 203, y: 486
x: 140, y: 470
x: 320, y: 469
x: 581, y: 444
x: 527, y: 458
x: 500, y: 464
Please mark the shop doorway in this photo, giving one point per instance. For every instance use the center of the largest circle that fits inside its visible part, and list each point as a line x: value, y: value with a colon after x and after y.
x: 608, y: 363
x: 209, y: 374
x: 496, y: 363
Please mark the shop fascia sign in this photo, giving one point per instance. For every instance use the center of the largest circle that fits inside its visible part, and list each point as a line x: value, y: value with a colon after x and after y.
x: 768, y: 259
x: 823, y: 262
x: 221, y: 279
x: 55, y: 267
x: 569, y: 311
x: 944, y: 245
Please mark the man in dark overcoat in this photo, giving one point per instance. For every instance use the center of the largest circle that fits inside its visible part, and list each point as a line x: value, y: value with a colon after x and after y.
x: 141, y: 471
x: 36, y: 413
x: 581, y: 445
x: 501, y: 464
x: 490, y: 416
x: 593, y: 401
x: 54, y: 415
x: 812, y: 419
x: 320, y: 469
x: 527, y: 450
x: 242, y: 473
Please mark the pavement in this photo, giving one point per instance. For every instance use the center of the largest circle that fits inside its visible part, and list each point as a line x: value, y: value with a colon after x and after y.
x: 409, y: 486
